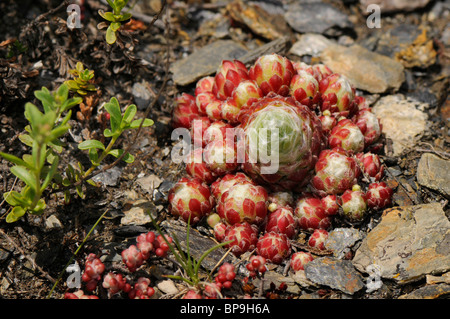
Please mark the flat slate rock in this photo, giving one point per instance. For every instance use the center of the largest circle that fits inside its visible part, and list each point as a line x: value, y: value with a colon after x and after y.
x: 428, y: 292
x: 403, y: 121
x: 205, y: 61
x: 434, y: 172
x: 393, y: 5
x: 365, y: 70
x: 198, y: 244
x: 316, y: 17
x: 310, y: 44
x: 408, y: 243
x: 334, y: 273
x: 340, y: 240
x: 260, y: 21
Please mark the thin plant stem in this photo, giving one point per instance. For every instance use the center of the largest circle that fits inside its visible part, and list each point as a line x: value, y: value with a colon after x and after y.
x: 75, y: 253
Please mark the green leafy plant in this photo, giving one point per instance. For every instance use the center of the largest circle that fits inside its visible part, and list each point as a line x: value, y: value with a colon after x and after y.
x: 115, y: 18
x: 82, y: 82
x: 98, y: 151
x: 186, y: 261
x: 39, y: 170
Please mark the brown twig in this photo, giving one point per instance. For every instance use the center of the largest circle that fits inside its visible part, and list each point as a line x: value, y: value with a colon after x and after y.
x: 43, y: 16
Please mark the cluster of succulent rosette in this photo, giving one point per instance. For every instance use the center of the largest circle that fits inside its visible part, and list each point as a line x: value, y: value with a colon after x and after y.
x: 279, y: 148
x: 114, y: 282
x: 306, y: 121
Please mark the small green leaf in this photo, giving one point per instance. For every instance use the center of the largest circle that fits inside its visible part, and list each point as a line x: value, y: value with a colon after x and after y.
x: 125, y: 16
x: 91, y: 182
x: 65, y: 182
x: 71, y: 103
x: 39, y: 208
x: 15, y: 214
x: 29, y: 160
x: 128, y: 158
x: 136, y: 123
x: 85, y: 145
x: 56, y: 145
x: 46, y: 99
x: 129, y: 114
x: 115, y: 26
x: 93, y: 155
x: 33, y: 115
x: 67, y: 197
x: 108, y: 16
x: 79, y: 67
x: 57, y: 132
x: 70, y: 173
x: 26, y: 139
x: 120, y: 4
x: 107, y: 132
x: 15, y: 160
x: 91, y: 87
x: 110, y: 36
x: 81, y: 171
x: 115, y: 113
x: 72, y: 84
x: 25, y: 175
x: 50, y: 156
x: 14, y: 198
x: 62, y: 93
x: 80, y: 191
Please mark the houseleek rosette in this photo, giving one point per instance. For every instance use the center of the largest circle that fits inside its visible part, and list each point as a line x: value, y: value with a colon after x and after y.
x: 282, y: 140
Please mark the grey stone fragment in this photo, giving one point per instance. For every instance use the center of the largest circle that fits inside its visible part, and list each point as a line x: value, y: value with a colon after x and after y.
x: 334, y: 273
x: 365, y: 70
x: 109, y: 177
x: 434, y: 172
x: 340, y: 240
x: 138, y: 214
x: 310, y: 44
x: 316, y: 17
x: 408, y: 243
x: 141, y: 95
x: 198, y: 244
x: 393, y: 5
x: 428, y: 292
x: 205, y: 61
x: 402, y: 121
x: 52, y: 222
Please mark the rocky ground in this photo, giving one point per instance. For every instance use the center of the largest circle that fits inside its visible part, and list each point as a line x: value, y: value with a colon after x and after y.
x: 402, y: 68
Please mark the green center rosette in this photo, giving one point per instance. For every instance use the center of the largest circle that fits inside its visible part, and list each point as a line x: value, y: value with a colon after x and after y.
x: 281, y: 140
